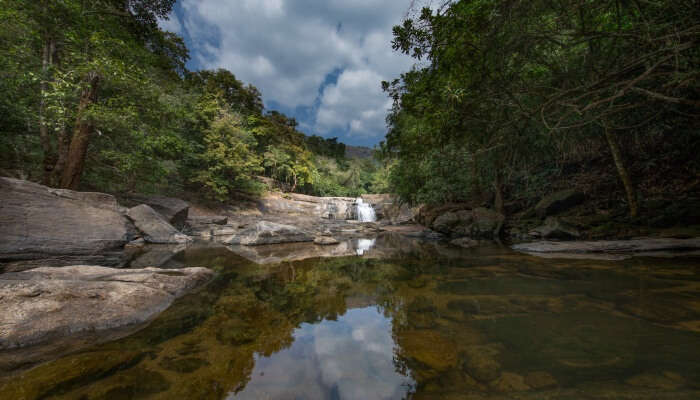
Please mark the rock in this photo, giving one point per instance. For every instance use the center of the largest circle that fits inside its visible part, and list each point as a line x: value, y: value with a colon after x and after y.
x: 175, y: 211
x: 465, y: 242
x: 85, y: 298
x: 154, y: 227
x: 208, y: 220
x: 479, y: 223
x: 265, y: 232
x: 325, y: 240
x: 209, y: 232
x: 510, y: 382
x: 558, y: 202
x: 481, y: 363
x: 292, y: 252
x: 610, y: 246
x: 38, y: 222
x: 135, y: 244
x: 300, y: 204
x: 540, y: 380
x: 554, y: 228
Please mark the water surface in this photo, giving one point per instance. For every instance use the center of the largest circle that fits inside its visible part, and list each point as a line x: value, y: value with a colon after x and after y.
x: 403, y: 319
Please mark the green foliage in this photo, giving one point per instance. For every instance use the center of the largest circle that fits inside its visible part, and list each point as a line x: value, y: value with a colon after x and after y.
x: 513, y: 91
x: 228, y: 161
x: 152, y: 125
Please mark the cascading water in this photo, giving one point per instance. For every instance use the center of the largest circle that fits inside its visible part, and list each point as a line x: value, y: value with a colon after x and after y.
x: 365, y: 212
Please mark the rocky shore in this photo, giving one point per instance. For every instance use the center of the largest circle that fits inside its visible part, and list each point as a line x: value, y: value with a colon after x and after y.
x: 75, y: 262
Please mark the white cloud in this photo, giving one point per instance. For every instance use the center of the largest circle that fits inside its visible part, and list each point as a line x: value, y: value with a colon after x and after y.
x: 171, y: 25
x: 288, y: 48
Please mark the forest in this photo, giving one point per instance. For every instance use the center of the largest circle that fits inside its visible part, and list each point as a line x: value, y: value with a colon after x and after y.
x: 521, y: 98
x: 507, y: 101
x: 97, y: 97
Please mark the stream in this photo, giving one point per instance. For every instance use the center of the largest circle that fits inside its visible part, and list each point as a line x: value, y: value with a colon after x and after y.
x: 394, y: 318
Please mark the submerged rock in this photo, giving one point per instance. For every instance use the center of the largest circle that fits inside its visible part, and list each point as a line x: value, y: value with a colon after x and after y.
x: 540, y: 380
x: 265, y: 232
x: 429, y: 348
x: 37, y: 222
x: 510, y: 382
x: 154, y: 227
x: 85, y: 298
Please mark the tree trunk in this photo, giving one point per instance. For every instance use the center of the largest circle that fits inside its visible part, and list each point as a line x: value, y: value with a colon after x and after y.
x: 46, y: 62
x: 622, y: 171
x: 62, y: 148
x: 75, y: 161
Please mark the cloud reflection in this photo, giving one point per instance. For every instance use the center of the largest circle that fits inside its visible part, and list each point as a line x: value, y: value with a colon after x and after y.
x: 351, y: 358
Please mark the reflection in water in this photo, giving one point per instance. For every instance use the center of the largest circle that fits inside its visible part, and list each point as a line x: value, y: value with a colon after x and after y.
x: 411, y: 320
x: 364, y: 245
x: 350, y: 358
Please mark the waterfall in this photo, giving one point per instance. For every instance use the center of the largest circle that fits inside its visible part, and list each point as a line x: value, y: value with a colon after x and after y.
x: 365, y: 212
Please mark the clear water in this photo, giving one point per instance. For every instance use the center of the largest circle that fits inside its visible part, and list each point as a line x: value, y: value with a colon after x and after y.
x: 404, y: 320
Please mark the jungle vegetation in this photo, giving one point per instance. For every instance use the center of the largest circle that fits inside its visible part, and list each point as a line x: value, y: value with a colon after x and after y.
x: 96, y: 97
x: 509, y: 98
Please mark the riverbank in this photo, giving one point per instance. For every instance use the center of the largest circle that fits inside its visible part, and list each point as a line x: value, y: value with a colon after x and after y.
x: 63, y: 251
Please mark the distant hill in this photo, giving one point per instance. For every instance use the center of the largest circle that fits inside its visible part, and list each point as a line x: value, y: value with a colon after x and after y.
x: 358, y: 152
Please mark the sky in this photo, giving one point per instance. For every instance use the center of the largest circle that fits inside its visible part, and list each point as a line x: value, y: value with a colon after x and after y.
x: 320, y: 61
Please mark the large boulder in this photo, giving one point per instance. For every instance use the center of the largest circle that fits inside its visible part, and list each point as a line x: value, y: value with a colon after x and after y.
x: 37, y: 222
x: 154, y: 227
x: 479, y: 223
x: 558, y: 202
x: 175, y: 211
x: 46, y: 304
x: 266, y: 232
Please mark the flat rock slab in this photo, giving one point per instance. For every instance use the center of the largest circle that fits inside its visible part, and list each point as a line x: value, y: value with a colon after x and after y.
x: 610, y: 246
x: 154, y: 227
x: 46, y: 304
x: 266, y: 232
x: 39, y: 222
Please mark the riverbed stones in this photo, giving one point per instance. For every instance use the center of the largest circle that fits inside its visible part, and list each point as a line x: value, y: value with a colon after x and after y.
x: 481, y: 363
x: 510, y: 382
x: 266, y: 232
x: 559, y: 201
x: 540, y: 380
x: 430, y: 348
x: 154, y: 227
x: 38, y: 222
x: 48, y: 303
